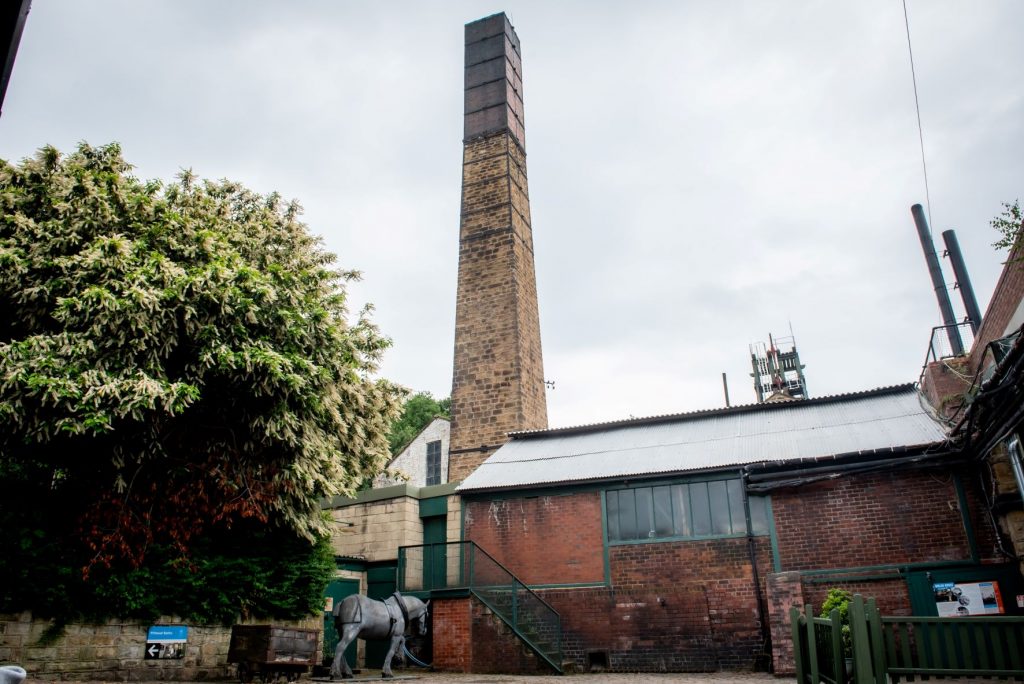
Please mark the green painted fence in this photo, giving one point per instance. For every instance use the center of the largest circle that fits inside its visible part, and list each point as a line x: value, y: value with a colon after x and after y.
x: 888, y: 649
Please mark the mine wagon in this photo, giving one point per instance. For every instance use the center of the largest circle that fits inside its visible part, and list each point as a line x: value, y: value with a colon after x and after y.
x: 271, y: 652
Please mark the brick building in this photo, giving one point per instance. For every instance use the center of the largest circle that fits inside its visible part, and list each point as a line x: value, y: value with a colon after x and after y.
x: 674, y: 543
x: 679, y: 542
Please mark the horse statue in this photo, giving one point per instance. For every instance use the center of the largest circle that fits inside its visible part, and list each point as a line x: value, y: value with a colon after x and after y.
x: 394, y: 618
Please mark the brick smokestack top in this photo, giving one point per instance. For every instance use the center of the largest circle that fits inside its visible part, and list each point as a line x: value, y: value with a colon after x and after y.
x: 498, y: 378
x: 494, y: 80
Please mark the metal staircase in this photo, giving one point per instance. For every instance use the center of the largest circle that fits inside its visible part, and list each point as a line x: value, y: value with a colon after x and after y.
x: 455, y: 568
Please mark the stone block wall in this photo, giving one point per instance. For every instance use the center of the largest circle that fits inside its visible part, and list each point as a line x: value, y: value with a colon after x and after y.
x: 498, y: 375
x: 114, y: 650
x: 375, y: 529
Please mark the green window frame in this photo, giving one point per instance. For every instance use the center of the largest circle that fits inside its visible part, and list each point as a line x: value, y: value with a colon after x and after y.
x: 685, y: 510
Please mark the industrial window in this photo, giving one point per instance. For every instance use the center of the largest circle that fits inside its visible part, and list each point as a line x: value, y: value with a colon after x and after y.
x: 433, y: 463
x: 683, y: 511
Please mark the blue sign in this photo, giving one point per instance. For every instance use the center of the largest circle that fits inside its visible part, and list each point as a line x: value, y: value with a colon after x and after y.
x: 167, y: 634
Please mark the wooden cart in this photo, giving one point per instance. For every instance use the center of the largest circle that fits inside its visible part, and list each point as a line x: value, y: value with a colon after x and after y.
x: 272, y: 652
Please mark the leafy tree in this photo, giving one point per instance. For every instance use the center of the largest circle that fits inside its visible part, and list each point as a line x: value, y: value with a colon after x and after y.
x: 174, y: 361
x: 417, y: 412
x: 1009, y: 223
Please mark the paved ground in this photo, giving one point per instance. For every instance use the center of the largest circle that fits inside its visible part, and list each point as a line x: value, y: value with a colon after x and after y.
x: 439, y: 677
x: 617, y: 678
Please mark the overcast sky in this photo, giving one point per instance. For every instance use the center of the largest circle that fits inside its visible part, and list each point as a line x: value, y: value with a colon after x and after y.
x: 701, y: 174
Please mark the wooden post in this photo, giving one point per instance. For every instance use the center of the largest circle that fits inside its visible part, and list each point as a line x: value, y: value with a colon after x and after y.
x: 862, y: 671
x: 838, y: 657
x: 801, y: 666
x: 812, y: 646
x: 878, y: 660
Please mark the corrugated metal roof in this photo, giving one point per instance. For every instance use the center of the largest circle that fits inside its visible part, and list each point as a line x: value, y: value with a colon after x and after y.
x: 881, y: 419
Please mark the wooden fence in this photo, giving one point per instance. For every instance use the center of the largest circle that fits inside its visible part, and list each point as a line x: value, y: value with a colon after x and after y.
x: 882, y: 649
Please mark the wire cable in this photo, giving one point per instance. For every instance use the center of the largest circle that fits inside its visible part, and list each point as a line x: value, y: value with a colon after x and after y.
x: 917, y: 107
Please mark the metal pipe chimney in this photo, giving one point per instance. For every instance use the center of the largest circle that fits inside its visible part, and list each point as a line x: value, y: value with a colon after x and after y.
x: 935, y: 271
x: 963, y: 280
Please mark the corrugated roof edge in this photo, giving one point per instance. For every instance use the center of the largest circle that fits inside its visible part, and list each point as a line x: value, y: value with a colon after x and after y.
x: 704, y: 413
x: 840, y: 461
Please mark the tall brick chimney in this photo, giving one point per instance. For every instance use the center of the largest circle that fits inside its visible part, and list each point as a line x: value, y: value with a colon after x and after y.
x: 498, y: 379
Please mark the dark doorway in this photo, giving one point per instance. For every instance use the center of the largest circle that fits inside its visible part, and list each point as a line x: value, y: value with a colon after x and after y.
x: 380, y: 584
x: 335, y: 592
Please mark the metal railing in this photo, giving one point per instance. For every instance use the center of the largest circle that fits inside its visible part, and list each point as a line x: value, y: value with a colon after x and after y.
x: 466, y: 566
x: 944, y: 343
x: 946, y: 339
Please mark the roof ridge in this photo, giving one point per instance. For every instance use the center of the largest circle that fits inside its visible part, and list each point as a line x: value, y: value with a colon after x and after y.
x: 704, y: 413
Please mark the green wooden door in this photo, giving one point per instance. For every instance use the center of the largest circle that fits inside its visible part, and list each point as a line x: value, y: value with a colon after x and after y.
x: 335, y: 592
x: 435, y: 558
x: 380, y: 583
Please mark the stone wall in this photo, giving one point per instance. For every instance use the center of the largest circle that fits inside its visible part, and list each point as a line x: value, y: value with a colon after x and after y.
x: 498, y: 375
x: 373, y: 530
x: 114, y: 650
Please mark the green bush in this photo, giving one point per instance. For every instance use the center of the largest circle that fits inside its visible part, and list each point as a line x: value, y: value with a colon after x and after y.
x: 257, y: 573
x: 839, y: 599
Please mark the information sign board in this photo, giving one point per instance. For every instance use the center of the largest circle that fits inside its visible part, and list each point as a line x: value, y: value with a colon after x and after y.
x: 166, y: 642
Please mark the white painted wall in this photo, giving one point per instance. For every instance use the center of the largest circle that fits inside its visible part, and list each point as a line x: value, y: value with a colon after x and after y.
x: 413, y: 459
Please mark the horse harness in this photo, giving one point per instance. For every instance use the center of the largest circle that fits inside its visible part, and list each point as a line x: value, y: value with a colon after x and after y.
x: 401, y: 606
x: 392, y: 617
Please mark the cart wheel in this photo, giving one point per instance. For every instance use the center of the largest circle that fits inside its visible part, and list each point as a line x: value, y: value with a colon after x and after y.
x: 269, y: 676
x: 244, y: 673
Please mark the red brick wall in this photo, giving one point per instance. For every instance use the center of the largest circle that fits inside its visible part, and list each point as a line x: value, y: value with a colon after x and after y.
x: 672, y: 606
x: 717, y: 573
x: 497, y: 650
x: 1006, y: 298
x: 691, y: 605
x: 452, y: 625
x: 891, y: 595
x: 468, y: 638
x: 873, y: 519
x: 542, y: 539
x: 638, y: 630
x: 784, y: 590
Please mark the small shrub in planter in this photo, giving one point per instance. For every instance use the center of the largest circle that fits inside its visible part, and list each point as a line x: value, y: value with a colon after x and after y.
x: 840, y: 599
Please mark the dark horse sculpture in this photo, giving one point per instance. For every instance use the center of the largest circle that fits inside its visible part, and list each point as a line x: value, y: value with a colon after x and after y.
x: 394, y: 618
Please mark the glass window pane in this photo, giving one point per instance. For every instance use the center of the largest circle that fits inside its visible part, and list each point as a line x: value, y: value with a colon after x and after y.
x: 701, y: 509
x: 736, y: 512
x: 681, y: 510
x: 663, y: 512
x: 719, y: 507
x: 644, y: 513
x: 759, y: 514
x: 612, y: 502
x: 627, y: 515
